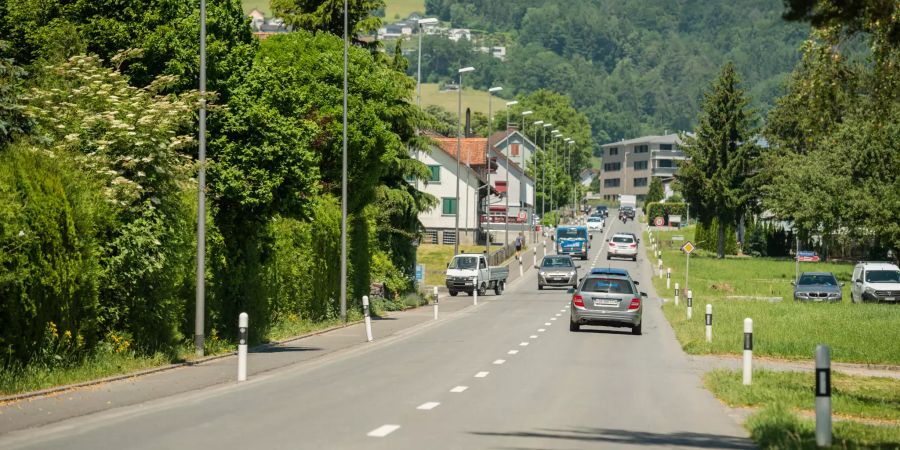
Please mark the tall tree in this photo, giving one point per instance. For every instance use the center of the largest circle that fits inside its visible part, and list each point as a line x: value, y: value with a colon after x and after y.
x: 715, y: 178
x: 328, y: 15
x: 655, y: 192
x: 12, y: 117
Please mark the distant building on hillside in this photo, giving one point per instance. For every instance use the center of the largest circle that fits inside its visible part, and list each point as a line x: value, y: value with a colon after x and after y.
x: 264, y: 27
x: 629, y: 165
x: 455, y: 34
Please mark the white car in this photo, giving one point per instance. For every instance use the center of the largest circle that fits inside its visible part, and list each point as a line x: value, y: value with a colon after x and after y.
x: 595, y: 223
x: 622, y: 246
x: 875, y: 282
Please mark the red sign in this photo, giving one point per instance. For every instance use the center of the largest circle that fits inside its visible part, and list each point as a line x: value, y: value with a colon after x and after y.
x: 522, y: 215
x: 659, y: 221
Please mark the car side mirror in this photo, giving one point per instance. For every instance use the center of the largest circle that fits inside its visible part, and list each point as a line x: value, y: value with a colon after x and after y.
x: 537, y: 267
x: 793, y: 283
x: 842, y: 284
x: 637, y: 283
x: 858, y: 281
x: 643, y: 294
x: 570, y: 291
x: 607, y: 240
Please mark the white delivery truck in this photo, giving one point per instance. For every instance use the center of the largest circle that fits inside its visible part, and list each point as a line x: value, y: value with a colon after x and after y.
x: 468, y: 272
x: 627, y: 200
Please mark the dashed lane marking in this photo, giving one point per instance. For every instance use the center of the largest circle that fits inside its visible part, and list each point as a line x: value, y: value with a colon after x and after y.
x: 553, y: 318
x: 481, y: 374
x: 541, y: 330
x: 533, y: 336
x: 547, y: 323
x: 512, y: 352
x: 428, y: 406
x: 499, y: 361
x: 459, y: 389
x: 383, y: 430
x: 523, y: 344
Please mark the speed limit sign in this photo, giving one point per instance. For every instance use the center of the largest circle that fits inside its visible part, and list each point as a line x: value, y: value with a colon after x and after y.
x: 659, y: 221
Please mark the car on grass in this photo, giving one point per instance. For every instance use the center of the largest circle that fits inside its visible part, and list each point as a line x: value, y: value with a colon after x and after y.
x: 607, y: 300
x: 622, y: 245
x: 875, y: 282
x: 817, y: 287
x: 557, y: 270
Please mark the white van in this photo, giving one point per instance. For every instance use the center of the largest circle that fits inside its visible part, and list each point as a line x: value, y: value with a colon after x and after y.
x: 875, y: 282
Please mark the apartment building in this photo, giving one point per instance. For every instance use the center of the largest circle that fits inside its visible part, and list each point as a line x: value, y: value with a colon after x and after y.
x: 630, y: 165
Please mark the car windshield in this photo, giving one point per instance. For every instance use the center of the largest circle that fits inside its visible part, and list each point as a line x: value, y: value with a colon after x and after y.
x: 623, y: 239
x: 808, y: 279
x: 883, y: 276
x: 571, y: 233
x: 594, y: 219
x: 464, y: 262
x: 557, y: 262
x: 607, y: 285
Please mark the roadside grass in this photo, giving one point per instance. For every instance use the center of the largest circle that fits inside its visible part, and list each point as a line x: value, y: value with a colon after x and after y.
x: 775, y: 427
x: 401, y: 9
x: 852, y: 396
x: 859, y: 333
x: 471, y: 98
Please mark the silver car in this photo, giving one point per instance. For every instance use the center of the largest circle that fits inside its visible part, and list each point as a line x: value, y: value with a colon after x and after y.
x: 817, y: 287
x: 557, y: 270
x: 607, y: 300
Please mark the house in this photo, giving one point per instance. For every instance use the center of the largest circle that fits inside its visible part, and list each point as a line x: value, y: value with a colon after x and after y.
x: 257, y: 18
x: 455, y: 34
x: 629, y: 165
x: 498, y: 52
x: 587, y: 176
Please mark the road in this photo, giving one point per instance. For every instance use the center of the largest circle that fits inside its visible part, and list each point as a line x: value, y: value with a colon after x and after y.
x: 507, y: 374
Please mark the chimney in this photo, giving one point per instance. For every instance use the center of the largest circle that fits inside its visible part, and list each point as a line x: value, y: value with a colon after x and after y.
x: 467, y: 131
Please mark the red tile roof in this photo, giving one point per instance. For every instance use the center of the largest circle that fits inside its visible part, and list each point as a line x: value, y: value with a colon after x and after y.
x: 471, y: 150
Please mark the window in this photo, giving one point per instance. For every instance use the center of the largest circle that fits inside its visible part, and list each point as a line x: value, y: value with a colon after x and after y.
x: 639, y: 182
x: 431, y: 236
x: 449, y: 237
x: 612, y: 167
x: 449, y: 206
x: 666, y: 163
x: 435, y: 174
x: 611, y: 182
x: 641, y: 148
x: 514, y: 149
x: 640, y: 165
x: 665, y: 147
x: 613, y: 151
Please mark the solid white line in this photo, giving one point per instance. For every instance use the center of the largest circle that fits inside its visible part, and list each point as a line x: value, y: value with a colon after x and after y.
x: 541, y: 330
x: 533, y: 336
x: 523, y: 344
x: 383, y: 430
x: 428, y: 406
x: 512, y: 352
x: 481, y: 374
x: 459, y: 389
x: 499, y: 361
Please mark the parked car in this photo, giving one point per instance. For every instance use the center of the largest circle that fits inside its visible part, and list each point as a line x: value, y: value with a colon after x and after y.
x: 607, y: 300
x: 595, y: 223
x: 817, y: 287
x: 875, y: 282
x: 622, y: 246
x: 468, y: 272
x: 557, y: 270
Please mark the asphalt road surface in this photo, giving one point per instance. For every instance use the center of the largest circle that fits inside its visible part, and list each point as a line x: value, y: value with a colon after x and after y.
x: 507, y: 374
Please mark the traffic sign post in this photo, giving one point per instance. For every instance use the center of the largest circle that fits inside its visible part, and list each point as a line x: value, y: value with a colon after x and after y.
x: 687, y: 248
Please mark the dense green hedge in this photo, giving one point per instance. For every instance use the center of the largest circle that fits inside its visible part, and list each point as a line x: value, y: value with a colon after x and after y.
x: 665, y: 210
x: 707, y: 238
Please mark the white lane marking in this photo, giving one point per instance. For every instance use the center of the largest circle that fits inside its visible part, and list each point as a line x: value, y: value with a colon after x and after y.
x: 562, y: 310
x: 499, y: 361
x: 547, y: 323
x: 523, y: 344
x: 428, y: 406
x: 481, y: 374
x: 512, y: 352
x: 553, y: 318
x: 541, y: 330
x: 383, y: 430
x: 459, y: 389
x: 558, y: 314
x: 533, y: 336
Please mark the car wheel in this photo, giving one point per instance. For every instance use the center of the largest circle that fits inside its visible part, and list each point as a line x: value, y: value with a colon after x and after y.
x: 540, y: 287
x: 482, y: 290
x: 634, y: 259
x: 574, y: 326
x: 498, y: 289
x: 454, y: 293
x: 637, y: 330
x: 607, y: 257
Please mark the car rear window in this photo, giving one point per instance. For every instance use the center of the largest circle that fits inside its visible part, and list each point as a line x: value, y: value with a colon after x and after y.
x: 622, y: 239
x: 607, y: 285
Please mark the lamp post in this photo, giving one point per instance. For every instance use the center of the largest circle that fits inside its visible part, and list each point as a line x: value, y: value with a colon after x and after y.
x: 508, y: 104
x: 523, y: 188
x: 575, y: 202
x: 544, y: 168
x: 458, y: 145
x: 555, y: 134
x: 200, y: 302
x: 344, y: 179
x: 487, y: 159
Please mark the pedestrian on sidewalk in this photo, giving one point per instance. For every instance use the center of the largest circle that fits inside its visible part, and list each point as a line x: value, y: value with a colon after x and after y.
x: 519, y: 241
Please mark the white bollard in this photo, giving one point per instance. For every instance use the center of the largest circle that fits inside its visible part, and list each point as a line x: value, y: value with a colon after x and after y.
x: 708, y: 323
x: 243, y: 337
x: 668, y: 277
x: 677, y: 291
x: 369, y: 337
x: 748, y: 350
x: 659, y: 267
x: 520, y: 269
x: 435, y: 303
x: 475, y: 292
x: 690, y: 308
x: 823, y: 396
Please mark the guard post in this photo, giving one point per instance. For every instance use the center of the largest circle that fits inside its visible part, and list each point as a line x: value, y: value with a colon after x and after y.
x: 823, y: 396
x: 243, y: 335
x: 368, y: 317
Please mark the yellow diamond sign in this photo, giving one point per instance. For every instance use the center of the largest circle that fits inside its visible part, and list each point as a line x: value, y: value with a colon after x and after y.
x: 687, y: 247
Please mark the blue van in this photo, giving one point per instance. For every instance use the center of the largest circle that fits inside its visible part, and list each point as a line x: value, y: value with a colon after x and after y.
x: 572, y: 241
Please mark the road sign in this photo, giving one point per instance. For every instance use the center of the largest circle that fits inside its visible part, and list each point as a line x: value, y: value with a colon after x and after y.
x: 659, y: 221
x: 678, y: 237
x: 687, y: 247
x: 522, y: 215
x: 420, y: 273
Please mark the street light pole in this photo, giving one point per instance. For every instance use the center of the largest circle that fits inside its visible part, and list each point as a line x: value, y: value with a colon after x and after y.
x: 200, y: 302
x: 575, y: 184
x: 523, y: 185
x: 487, y: 159
x: 344, y: 179
x: 544, y: 169
x: 508, y: 104
x: 458, y: 145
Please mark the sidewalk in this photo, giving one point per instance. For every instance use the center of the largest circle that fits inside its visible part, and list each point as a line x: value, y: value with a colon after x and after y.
x: 178, y: 379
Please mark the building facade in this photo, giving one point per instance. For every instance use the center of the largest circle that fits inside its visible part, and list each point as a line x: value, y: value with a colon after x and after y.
x: 628, y: 166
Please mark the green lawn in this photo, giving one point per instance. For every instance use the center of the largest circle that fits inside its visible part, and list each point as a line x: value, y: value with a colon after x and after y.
x: 395, y: 10
x: 261, y: 5
x: 864, y: 333
x: 471, y: 98
x: 777, y: 428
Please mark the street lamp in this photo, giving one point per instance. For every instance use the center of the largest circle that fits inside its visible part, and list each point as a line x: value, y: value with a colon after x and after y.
x: 524, y: 188
x: 508, y: 104
x: 458, y: 145
x: 487, y: 159
x: 555, y: 134
x: 575, y: 202
x: 200, y: 301
x: 544, y: 168
x: 344, y: 179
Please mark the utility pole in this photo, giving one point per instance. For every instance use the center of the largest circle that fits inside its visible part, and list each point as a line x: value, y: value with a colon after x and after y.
x: 200, y: 302
x: 344, y: 179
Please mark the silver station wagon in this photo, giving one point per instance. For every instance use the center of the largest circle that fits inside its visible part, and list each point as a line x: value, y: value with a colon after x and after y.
x: 607, y: 300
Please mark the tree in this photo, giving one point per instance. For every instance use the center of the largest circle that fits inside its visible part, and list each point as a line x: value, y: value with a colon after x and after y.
x: 328, y: 15
x: 716, y: 177
x: 655, y: 191
x: 12, y: 118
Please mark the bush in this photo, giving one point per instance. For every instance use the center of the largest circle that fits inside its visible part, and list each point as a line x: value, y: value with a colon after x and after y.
x: 665, y: 210
x: 707, y: 238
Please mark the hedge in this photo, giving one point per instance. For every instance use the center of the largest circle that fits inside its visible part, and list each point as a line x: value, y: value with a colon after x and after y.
x: 665, y: 210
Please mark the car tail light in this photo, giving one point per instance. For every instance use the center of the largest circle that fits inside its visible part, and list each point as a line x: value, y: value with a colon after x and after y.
x: 577, y: 300
x: 635, y: 304
x: 633, y: 245
x: 611, y: 244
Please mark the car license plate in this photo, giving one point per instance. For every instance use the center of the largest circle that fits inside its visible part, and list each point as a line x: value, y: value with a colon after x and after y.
x: 890, y: 299
x: 606, y: 302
